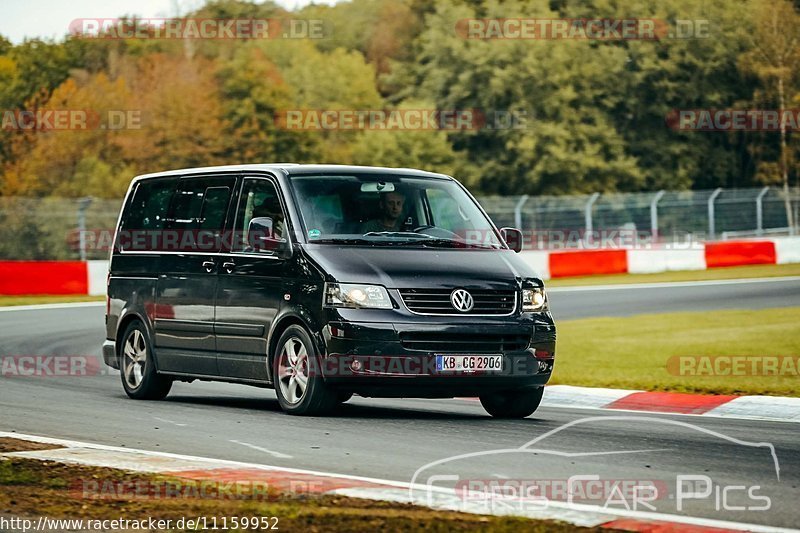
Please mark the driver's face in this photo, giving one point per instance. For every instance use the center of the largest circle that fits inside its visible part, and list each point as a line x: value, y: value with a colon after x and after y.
x: 393, y: 205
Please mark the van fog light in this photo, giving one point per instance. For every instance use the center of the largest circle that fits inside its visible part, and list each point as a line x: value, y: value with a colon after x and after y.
x: 355, y: 366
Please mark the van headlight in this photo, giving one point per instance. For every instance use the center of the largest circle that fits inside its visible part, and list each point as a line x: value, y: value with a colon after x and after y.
x: 534, y: 300
x: 357, y: 296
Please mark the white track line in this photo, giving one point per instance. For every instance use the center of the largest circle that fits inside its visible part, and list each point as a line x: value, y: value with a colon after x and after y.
x: 45, y: 307
x: 672, y: 284
x: 706, y: 415
x: 279, y: 455
x: 381, y: 494
x: 169, y: 421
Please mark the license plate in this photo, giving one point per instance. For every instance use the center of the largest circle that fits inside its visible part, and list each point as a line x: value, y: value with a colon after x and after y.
x: 469, y: 363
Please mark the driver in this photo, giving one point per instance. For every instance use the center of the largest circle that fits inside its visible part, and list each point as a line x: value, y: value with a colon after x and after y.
x: 392, y: 206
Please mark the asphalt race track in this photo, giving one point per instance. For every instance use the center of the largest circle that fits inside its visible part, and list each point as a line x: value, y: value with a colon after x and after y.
x: 392, y: 439
x: 609, y: 300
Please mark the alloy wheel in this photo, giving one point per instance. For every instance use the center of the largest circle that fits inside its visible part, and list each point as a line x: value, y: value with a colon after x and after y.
x: 135, y: 351
x: 293, y: 370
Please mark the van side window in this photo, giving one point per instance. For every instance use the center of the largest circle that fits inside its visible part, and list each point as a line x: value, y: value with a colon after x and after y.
x: 259, y: 199
x: 197, y: 215
x: 147, y: 213
x: 215, y: 207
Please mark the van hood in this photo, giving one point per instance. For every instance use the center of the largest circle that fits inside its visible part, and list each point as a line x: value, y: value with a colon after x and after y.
x: 406, y: 268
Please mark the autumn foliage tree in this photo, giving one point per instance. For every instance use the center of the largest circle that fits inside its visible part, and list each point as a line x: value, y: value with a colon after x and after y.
x: 588, y: 115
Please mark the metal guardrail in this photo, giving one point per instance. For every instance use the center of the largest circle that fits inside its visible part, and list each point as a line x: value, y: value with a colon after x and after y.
x: 661, y: 216
x: 51, y: 228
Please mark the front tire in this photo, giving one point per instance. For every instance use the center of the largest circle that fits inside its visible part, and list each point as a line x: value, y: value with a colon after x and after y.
x: 137, y: 366
x: 517, y: 403
x: 299, y: 385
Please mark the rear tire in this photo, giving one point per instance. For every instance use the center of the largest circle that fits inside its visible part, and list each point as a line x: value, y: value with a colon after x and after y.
x: 299, y: 385
x: 137, y: 366
x: 517, y: 403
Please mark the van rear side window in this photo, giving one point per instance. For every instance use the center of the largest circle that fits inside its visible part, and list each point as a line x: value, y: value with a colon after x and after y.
x: 147, y: 211
x: 197, y: 215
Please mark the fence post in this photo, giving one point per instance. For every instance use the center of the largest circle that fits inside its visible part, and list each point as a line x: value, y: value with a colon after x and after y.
x: 518, y: 211
x: 711, y: 227
x: 654, y: 214
x: 83, y: 205
x: 760, y: 211
x: 587, y: 215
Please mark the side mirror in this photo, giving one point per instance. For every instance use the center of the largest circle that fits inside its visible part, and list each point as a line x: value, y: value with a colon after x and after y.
x: 261, y: 236
x: 513, y: 238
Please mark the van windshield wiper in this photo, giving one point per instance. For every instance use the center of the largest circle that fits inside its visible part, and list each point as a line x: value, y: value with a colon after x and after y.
x: 358, y: 240
x: 402, y: 234
x: 438, y: 242
x: 342, y: 241
x: 405, y: 239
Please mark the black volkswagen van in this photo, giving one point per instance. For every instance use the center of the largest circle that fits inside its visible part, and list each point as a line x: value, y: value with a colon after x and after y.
x: 324, y: 281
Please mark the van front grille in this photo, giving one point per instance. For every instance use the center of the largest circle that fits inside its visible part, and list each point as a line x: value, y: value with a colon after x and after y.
x: 466, y: 343
x: 437, y: 302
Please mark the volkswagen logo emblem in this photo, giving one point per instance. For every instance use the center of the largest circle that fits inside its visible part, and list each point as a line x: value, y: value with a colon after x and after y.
x: 462, y: 300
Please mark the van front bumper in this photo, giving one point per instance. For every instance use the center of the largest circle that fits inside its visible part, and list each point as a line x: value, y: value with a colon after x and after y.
x: 400, y: 359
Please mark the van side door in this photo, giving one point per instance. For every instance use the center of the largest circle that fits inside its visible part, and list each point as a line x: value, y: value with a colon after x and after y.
x: 251, y: 282
x: 184, y: 321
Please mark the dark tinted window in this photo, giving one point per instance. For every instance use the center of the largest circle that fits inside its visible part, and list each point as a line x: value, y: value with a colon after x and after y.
x: 147, y: 212
x: 259, y: 199
x: 198, y: 212
x: 149, y: 205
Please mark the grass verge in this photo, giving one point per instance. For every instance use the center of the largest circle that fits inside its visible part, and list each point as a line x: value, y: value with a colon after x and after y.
x: 633, y: 352
x: 33, y: 488
x: 740, y: 272
x: 47, y: 299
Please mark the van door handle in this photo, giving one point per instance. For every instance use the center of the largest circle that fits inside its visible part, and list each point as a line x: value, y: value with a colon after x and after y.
x: 228, y: 266
x: 209, y: 266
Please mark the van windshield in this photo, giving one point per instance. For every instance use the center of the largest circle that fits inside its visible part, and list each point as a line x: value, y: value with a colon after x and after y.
x: 391, y: 210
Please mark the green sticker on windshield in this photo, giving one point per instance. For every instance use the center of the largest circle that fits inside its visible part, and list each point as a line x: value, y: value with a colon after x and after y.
x: 314, y: 234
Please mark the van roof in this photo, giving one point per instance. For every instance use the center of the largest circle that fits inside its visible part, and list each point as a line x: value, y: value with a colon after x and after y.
x: 294, y: 169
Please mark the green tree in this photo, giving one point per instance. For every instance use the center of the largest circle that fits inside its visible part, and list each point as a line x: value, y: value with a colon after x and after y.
x: 253, y: 93
x: 318, y: 80
x: 424, y: 149
x: 563, y: 139
x: 773, y: 60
